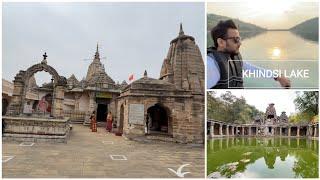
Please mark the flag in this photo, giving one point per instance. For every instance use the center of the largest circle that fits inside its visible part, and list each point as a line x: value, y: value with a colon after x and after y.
x: 131, y: 77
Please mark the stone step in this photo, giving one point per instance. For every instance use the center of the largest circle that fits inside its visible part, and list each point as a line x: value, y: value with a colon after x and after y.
x: 160, y: 137
x: 77, y: 121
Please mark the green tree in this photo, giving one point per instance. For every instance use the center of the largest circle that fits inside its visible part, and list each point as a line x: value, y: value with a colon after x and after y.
x: 230, y: 108
x: 306, y: 103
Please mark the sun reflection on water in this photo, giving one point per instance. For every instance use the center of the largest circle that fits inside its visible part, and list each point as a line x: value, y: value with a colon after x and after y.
x: 276, y: 53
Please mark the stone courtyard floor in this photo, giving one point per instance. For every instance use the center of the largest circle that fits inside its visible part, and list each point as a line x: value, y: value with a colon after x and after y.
x: 88, y: 154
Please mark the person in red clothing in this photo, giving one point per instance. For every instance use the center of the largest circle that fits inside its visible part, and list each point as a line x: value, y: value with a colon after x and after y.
x: 94, y: 124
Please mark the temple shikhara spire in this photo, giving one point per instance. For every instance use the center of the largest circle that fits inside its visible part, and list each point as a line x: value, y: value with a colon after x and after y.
x: 97, y: 55
x: 181, y: 30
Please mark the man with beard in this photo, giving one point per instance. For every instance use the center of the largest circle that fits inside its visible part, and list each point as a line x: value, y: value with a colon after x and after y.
x: 224, y: 61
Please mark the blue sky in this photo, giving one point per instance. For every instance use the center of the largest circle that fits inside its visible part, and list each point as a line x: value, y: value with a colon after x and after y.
x: 132, y: 36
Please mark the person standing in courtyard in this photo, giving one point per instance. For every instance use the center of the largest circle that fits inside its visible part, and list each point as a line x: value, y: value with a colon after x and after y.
x: 91, y: 118
x: 94, y: 122
x: 109, y: 122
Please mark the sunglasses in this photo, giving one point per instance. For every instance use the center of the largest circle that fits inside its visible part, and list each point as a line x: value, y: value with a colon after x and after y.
x: 235, y: 39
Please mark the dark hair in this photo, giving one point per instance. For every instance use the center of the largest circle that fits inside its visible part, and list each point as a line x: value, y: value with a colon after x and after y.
x: 221, y: 29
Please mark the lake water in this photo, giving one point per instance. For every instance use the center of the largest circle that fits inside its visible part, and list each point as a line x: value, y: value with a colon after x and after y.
x: 282, y: 50
x: 263, y: 157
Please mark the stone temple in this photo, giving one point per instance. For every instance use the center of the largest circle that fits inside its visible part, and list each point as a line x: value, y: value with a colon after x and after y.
x: 172, y: 104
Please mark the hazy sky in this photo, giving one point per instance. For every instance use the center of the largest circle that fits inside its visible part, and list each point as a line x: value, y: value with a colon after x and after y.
x: 132, y: 36
x: 267, y: 13
x: 283, y: 99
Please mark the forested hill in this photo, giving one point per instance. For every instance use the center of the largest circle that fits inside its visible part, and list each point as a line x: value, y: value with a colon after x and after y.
x: 308, y: 29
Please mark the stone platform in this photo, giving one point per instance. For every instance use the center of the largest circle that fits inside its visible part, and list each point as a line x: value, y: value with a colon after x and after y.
x: 35, y: 129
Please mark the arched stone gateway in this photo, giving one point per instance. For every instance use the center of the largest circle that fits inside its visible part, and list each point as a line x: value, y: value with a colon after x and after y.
x: 21, y: 82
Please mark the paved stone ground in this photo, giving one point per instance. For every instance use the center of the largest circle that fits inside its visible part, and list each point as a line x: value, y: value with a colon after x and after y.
x: 85, y: 155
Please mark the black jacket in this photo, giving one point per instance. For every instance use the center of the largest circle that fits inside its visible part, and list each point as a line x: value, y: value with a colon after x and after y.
x: 230, y: 69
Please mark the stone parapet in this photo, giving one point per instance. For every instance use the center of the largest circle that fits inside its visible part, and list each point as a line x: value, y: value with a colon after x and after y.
x: 36, y: 129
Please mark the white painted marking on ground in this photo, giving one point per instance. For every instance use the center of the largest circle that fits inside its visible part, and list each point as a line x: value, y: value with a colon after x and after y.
x: 107, y: 142
x: 118, y: 157
x: 6, y: 158
x: 179, y: 172
x: 26, y: 144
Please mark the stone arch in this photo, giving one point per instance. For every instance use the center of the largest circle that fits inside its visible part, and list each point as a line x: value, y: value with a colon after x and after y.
x: 160, y: 119
x: 41, y: 67
x: 21, y: 83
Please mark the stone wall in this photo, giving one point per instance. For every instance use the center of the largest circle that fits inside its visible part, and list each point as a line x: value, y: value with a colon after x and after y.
x: 186, y: 117
x: 36, y: 129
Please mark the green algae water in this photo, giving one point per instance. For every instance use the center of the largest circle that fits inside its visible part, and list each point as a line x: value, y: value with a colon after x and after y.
x: 263, y: 158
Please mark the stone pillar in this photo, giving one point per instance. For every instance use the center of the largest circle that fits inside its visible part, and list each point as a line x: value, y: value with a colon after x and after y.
x: 298, y: 131
x: 227, y: 132
x: 16, y: 105
x: 77, y: 97
x: 92, y: 107
x: 57, y: 101
x: 232, y: 130
x: 280, y: 131
x: 289, y: 131
x: 315, y: 131
x: 249, y: 131
x: 212, y: 129
x: 220, y: 130
x: 242, y: 132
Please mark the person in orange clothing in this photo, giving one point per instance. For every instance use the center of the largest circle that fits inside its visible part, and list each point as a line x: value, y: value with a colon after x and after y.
x: 94, y: 124
x: 109, y: 122
x: 93, y: 114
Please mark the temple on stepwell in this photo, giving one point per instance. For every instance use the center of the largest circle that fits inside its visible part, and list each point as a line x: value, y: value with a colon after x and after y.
x: 270, y: 125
